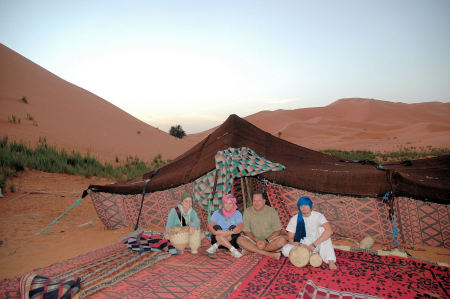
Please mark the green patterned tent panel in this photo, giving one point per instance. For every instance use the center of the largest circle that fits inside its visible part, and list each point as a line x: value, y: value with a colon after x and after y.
x: 230, y: 164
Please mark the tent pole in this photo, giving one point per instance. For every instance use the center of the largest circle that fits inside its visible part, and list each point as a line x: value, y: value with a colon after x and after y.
x: 212, y: 198
x: 244, y: 198
x: 248, y: 191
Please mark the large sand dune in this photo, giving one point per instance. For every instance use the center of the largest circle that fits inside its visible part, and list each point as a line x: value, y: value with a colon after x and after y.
x: 70, y: 117
x: 359, y: 124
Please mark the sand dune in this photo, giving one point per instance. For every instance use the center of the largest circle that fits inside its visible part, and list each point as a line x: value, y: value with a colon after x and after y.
x: 358, y: 124
x: 71, y: 117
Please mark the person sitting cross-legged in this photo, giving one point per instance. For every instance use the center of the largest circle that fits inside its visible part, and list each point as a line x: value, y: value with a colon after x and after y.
x: 262, y: 229
x: 225, y: 226
x: 311, y: 230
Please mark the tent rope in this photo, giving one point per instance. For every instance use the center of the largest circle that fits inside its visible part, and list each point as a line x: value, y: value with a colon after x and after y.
x: 142, y: 203
x: 76, y: 203
x: 395, y: 231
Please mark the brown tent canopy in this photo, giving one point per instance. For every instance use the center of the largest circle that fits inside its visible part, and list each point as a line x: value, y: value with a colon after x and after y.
x: 306, y: 169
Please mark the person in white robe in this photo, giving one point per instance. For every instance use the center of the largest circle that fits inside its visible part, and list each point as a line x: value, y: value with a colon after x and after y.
x: 311, y: 230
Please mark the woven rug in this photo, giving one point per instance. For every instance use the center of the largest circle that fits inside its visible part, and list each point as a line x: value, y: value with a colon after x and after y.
x: 311, y: 291
x: 186, y: 276
x: 98, y: 269
x: 117, y: 210
x: 358, y: 272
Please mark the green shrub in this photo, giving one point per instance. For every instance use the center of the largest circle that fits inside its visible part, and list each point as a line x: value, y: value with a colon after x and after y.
x: 177, y: 131
x: 410, y: 153
x: 15, y: 157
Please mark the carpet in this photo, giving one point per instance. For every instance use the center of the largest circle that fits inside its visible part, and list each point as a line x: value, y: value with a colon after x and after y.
x: 358, y: 272
x: 97, y: 269
x: 186, y: 276
x: 311, y: 291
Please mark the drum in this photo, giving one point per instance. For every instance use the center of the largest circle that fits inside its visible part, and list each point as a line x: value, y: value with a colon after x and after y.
x: 299, y: 256
x: 315, y: 260
x: 179, y: 237
x: 195, y: 240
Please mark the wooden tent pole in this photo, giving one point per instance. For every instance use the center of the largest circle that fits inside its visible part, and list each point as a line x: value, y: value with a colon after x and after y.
x: 244, y: 199
x: 248, y: 185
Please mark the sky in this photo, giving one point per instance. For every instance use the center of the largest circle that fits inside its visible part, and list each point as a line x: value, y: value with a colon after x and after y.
x: 194, y: 63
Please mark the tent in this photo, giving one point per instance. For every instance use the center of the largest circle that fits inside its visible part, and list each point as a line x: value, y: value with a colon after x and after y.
x: 400, y: 202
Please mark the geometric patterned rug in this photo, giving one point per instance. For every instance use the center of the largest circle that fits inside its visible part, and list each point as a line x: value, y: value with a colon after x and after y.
x: 117, y: 211
x: 186, y: 276
x: 418, y: 222
x: 349, y: 217
x: 423, y: 222
x: 358, y: 272
x: 9, y: 288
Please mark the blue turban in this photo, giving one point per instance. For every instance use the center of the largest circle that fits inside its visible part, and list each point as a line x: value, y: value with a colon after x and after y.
x: 300, y: 230
x: 304, y: 200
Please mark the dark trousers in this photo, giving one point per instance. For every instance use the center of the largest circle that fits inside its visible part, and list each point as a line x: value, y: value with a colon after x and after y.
x: 233, y: 240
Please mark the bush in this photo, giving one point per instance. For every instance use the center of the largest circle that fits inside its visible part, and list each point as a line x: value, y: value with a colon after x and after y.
x: 383, y: 157
x: 15, y: 157
x: 177, y: 131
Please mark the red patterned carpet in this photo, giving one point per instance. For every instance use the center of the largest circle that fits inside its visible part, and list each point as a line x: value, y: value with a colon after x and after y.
x: 359, y: 272
x: 9, y: 288
x: 186, y: 276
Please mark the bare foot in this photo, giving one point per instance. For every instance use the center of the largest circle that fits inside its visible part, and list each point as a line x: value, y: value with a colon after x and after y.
x: 275, y: 255
x: 332, y: 265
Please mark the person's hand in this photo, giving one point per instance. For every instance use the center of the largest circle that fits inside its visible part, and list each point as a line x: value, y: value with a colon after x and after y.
x: 309, y: 247
x: 261, y: 244
x: 219, y: 232
x: 227, y: 233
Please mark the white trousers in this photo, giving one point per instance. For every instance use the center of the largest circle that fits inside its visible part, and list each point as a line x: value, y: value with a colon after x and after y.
x: 325, y: 249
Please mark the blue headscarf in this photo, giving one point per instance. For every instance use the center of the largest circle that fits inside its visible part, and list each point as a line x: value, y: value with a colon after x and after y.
x: 300, y: 231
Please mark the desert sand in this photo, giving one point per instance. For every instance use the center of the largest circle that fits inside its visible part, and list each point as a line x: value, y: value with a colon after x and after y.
x: 358, y: 124
x: 74, y: 119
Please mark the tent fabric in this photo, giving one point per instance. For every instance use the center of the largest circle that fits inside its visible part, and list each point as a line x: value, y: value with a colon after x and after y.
x: 418, y: 222
x: 118, y: 210
x: 230, y: 164
x: 305, y: 169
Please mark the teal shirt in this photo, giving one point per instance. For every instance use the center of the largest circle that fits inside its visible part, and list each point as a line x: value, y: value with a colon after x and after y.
x: 174, y: 221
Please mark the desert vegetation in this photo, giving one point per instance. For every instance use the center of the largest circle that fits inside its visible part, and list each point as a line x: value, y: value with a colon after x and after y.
x: 177, y: 131
x: 16, y: 157
x: 406, y: 153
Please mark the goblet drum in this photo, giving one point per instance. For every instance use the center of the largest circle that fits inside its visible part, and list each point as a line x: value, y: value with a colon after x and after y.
x: 179, y: 237
x: 315, y: 260
x: 195, y: 240
x: 299, y: 256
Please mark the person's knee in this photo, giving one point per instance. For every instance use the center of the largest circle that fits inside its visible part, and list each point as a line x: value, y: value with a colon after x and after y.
x: 286, y: 249
x: 217, y: 227
x: 281, y: 241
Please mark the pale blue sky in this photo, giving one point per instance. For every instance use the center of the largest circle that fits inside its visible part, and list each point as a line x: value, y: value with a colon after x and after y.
x: 195, y: 62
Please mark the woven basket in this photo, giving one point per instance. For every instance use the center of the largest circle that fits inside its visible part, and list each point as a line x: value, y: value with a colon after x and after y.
x: 299, y: 256
x: 195, y: 240
x: 315, y: 260
x: 179, y: 237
